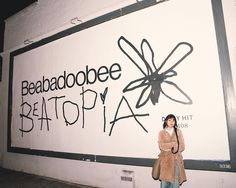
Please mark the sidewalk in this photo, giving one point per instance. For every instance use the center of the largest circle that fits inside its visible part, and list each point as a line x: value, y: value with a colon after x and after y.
x: 14, y: 179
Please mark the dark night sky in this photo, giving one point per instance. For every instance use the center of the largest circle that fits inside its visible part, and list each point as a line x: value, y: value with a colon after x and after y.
x: 7, y: 9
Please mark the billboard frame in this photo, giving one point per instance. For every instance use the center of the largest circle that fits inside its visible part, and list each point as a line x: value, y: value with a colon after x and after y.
x: 227, y: 82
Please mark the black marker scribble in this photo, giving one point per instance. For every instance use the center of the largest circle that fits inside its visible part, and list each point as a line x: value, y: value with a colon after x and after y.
x: 44, y: 115
x: 153, y: 78
x: 132, y: 115
x: 83, y: 101
x: 103, y: 98
x: 56, y: 102
x: 64, y: 113
x: 103, y: 95
x: 24, y: 115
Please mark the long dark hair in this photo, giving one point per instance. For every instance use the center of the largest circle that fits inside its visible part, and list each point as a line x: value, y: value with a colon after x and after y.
x: 171, y: 116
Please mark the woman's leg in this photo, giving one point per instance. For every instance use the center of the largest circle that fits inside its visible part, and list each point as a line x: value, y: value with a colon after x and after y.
x: 166, y: 184
x: 176, y: 184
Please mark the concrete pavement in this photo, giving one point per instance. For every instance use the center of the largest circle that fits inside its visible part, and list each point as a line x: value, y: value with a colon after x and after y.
x: 14, y: 179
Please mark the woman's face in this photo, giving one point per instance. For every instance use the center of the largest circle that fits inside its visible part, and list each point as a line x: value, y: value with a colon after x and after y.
x: 170, y: 122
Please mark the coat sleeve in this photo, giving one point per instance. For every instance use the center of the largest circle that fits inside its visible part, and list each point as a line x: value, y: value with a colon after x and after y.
x: 164, y: 145
x: 181, y: 141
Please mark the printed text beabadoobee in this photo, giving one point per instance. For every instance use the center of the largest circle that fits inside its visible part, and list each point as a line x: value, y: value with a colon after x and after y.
x: 69, y: 80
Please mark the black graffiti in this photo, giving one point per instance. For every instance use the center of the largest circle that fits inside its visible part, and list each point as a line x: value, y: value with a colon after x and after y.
x: 103, y: 97
x: 83, y: 103
x: 132, y: 115
x: 153, y: 78
x: 56, y: 102
x: 35, y: 108
x: 64, y: 115
x: 30, y: 112
x: 44, y: 115
x: 25, y: 116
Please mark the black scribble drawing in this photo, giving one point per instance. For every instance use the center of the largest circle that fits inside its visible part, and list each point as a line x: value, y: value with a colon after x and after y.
x: 131, y: 115
x: 154, y: 77
x: 103, y: 95
x: 93, y: 102
x: 103, y: 98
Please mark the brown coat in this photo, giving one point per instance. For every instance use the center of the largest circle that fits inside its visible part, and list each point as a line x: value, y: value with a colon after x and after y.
x: 168, y: 159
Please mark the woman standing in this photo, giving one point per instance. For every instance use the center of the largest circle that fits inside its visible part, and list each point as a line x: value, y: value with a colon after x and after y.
x: 171, y: 144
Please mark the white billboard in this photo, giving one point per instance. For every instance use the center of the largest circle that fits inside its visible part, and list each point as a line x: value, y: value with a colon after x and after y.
x: 102, y: 91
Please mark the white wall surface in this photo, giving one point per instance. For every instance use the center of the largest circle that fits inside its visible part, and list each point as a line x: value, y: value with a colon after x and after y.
x: 45, y: 18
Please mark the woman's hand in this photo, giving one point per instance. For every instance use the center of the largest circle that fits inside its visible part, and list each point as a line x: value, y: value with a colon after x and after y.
x: 174, y: 147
